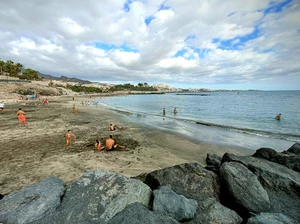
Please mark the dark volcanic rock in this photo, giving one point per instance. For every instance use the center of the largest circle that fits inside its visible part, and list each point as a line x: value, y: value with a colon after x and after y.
x: 98, y: 196
x: 33, y: 202
x: 294, y: 149
x: 171, y: 204
x: 289, y: 160
x: 194, y: 182
x: 213, y: 162
x: 270, y: 218
x: 137, y: 213
x: 281, y: 183
x: 243, y: 191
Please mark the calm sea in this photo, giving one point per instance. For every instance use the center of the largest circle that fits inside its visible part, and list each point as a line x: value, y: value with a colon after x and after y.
x: 225, y: 117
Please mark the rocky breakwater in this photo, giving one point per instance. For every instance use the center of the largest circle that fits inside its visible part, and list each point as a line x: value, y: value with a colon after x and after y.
x: 240, y: 189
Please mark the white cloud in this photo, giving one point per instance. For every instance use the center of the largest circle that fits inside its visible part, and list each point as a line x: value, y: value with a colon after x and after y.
x: 59, y: 38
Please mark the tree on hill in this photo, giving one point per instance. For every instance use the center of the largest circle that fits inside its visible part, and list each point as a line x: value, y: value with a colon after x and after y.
x: 30, y: 74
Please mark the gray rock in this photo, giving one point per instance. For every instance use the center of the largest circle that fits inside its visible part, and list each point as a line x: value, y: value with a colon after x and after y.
x: 137, y: 213
x: 289, y: 160
x: 195, y: 182
x: 270, y: 218
x: 243, y: 189
x: 171, y: 204
x: 98, y: 196
x: 33, y: 202
x: 281, y: 183
x: 294, y: 149
x: 213, y: 162
x: 218, y: 213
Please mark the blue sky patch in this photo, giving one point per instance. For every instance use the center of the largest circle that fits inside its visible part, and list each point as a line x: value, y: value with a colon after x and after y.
x: 163, y: 7
x: 149, y: 19
x: 108, y: 47
x: 275, y: 8
x: 126, y: 6
x: 235, y: 43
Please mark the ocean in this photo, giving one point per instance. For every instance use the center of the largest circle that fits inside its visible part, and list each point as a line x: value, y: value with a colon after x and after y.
x: 244, y: 119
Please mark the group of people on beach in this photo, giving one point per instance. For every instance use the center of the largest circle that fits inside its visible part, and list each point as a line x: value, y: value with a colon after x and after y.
x: 109, y: 143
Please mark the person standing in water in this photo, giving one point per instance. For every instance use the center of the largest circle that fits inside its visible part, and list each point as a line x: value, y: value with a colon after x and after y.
x: 164, y: 111
x: 175, y: 111
x: 278, y: 117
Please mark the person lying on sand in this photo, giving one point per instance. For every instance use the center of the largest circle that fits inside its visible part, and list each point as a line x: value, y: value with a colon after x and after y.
x: 21, y: 117
x: 98, y: 145
x: 114, y: 127
x: 68, y: 137
x: 110, y: 144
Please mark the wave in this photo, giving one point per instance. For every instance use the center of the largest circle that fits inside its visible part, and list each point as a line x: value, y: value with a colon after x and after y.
x: 268, y: 134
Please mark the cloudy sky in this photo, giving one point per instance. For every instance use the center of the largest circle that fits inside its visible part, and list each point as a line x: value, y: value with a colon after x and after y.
x: 231, y: 44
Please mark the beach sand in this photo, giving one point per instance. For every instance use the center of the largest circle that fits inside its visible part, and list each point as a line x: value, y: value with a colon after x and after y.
x: 32, y: 153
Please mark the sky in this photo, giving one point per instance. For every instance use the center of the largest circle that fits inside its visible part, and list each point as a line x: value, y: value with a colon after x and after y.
x: 214, y: 44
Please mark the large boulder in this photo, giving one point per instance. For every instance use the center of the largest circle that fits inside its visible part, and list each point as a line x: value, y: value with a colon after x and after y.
x: 289, y: 160
x: 98, y: 196
x: 281, y: 183
x: 242, y: 190
x: 213, y: 162
x: 171, y: 204
x: 270, y: 218
x: 33, y: 202
x: 194, y: 182
x: 137, y: 213
x: 294, y: 149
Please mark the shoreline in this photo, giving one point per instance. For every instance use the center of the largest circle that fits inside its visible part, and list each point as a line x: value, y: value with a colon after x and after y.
x: 37, y: 151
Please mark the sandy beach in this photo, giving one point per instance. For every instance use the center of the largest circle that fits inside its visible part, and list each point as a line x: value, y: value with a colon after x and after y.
x: 32, y: 153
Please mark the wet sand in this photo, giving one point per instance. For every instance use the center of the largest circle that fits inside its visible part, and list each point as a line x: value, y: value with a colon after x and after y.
x: 32, y: 153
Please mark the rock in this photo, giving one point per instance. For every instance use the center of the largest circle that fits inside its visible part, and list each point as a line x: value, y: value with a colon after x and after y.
x: 171, y: 204
x: 98, y: 196
x: 33, y: 202
x: 242, y: 190
x: 270, y: 218
x: 289, y: 160
x: 194, y: 182
x: 213, y: 162
x: 281, y: 183
x: 137, y: 213
x: 294, y: 149
x: 213, y: 159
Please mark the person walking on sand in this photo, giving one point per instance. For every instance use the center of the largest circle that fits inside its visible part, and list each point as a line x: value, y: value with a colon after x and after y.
x: 21, y: 117
x: 74, y: 109
x: 278, y: 117
x: 110, y: 144
x: 2, y: 107
x: 98, y: 145
x: 68, y: 137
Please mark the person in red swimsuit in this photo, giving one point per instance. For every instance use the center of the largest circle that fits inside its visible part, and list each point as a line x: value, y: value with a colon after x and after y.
x: 21, y: 117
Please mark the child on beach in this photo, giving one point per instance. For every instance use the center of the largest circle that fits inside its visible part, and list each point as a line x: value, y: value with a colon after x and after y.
x: 98, y: 145
x: 68, y: 137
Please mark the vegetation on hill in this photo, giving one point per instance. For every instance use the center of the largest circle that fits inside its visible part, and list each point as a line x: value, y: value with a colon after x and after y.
x: 13, y: 69
x: 130, y: 87
x: 85, y: 89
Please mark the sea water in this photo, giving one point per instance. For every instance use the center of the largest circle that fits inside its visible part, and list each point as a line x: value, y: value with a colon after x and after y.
x: 245, y: 118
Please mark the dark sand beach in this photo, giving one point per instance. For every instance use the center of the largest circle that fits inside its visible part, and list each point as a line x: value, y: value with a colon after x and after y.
x: 32, y: 153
